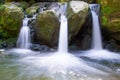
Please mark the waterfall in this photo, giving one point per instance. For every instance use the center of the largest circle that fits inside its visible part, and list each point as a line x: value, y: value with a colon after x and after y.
x: 24, y: 35
x: 59, y: 65
x: 63, y: 36
x: 96, y: 42
x: 97, y: 52
x: 63, y: 40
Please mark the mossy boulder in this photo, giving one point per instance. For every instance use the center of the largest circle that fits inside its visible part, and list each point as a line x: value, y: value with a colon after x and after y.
x: 31, y: 10
x: 11, y: 18
x: 76, y: 13
x: 110, y: 12
x: 46, y: 28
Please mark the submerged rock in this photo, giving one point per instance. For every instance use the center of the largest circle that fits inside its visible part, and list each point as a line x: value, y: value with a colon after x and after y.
x: 112, y: 46
x: 76, y: 13
x: 11, y: 18
x: 46, y: 28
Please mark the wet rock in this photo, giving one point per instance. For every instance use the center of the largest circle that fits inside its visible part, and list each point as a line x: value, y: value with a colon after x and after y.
x: 47, y: 28
x: 41, y: 48
x: 88, y: 1
x: 31, y: 23
x: 4, y: 45
x: 35, y: 47
x: 74, y: 45
x: 115, y: 35
x: 76, y: 13
x: 111, y: 45
x: 31, y: 11
x: 11, y: 18
x: 86, y: 43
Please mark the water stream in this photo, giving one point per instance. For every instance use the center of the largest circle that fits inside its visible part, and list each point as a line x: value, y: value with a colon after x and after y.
x: 63, y: 40
x: 60, y: 65
x: 24, y: 39
x: 97, y: 52
x: 97, y: 41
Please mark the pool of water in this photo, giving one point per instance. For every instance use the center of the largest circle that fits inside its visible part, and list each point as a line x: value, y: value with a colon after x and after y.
x: 39, y: 67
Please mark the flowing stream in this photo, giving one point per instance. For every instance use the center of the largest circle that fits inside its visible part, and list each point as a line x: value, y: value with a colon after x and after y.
x: 24, y: 36
x: 96, y: 42
x: 63, y: 40
x: 60, y: 65
x: 97, y: 52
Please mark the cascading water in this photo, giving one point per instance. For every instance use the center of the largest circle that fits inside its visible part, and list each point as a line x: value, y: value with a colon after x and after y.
x: 96, y: 43
x: 63, y: 40
x: 59, y: 65
x: 97, y: 52
x: 24, y: 39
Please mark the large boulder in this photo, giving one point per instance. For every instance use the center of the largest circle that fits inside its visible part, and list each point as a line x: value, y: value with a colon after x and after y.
x: 76, y: 13
x: 47, y: 28
x: 110, y: 10
x: 11, y: 18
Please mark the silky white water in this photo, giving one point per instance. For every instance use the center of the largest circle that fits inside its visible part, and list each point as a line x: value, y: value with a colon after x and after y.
x: 24, y: 39
x: 63, y: 40
x: 60, y: 65
x: 96, y: 41
x: 97, y: 52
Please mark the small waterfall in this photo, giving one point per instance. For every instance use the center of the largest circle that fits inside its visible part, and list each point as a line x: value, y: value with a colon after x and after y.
x: 24, y: 35
x: 63, y: 36
x: 97, y: 52
x: 96, y: 42
x: 63, y: 40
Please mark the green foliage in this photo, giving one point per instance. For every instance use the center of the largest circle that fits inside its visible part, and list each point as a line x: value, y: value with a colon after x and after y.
x: 10, y: 20
x: 9, y: 42
x: 4, y: 34
x: 106, y: 10
x: 1, y: 7
x: 105, y: 20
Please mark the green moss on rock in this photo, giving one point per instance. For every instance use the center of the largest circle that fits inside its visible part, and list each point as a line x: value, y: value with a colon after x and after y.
x: 24, y: 5
x: 11, y: 18
x: 110, y: 10
x: 32, y: 10
x: 47, y: 25
x: 76, y: 13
